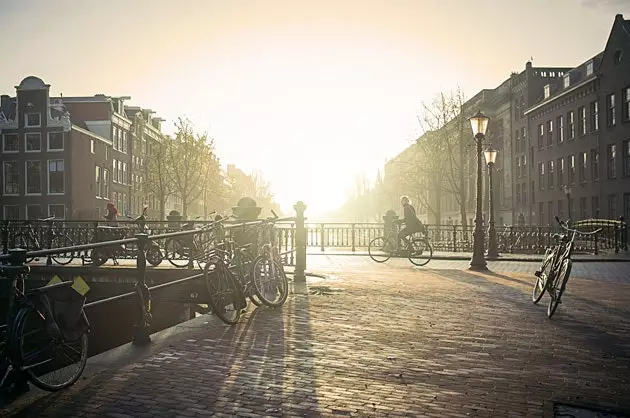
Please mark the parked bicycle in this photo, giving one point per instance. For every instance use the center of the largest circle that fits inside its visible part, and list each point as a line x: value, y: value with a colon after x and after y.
x: 179, y: 251
x: 29, y: 239
x: 45, y: 335
x: 418, y: 249
x: 555, y: 269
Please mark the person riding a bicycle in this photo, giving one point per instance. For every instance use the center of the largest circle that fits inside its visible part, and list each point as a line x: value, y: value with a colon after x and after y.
x: 411, y: 221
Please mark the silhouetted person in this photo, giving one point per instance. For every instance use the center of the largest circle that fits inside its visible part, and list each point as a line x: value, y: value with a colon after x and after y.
x: 111, y: 214
x: 411, y: 221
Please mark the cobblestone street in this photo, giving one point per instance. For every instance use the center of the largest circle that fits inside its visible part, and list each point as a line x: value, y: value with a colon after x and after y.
x: 384, y: 339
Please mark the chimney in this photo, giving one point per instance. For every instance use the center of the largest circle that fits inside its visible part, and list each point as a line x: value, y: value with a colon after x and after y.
x: 5, y: 104
x: 528, y: 65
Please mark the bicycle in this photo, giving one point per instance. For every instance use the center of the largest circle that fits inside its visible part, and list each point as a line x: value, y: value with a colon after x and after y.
x: 269, y: 279
x: 418, y: 250
x: 178, y: 250
x: 225, y: 293
x: 29, y: 240
x: 555, y: 269
x: 40, y: 324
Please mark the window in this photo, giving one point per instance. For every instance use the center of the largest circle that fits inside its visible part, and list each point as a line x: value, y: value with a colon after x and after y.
x: 518, y: 167
x: 115, y: 137
x: 610, y: 100
x: 541, y: 176
x: 550, y: 213
x: 582, y: 170
x: 518, y: 194
x: 541, y: 213
x: 589, y: 68
x: 10, y: 143
x: 612, y: 206
x: 33, y: 177
x: 532, y: 189
x: 33, y: 142
x: 106, y: 153
x: 92, y: 146
x: 626, y: 158
x: 11, y: 212
x: 560, y: 171
x: 517, y: 140
x: 626, y: 206
x: 98, y: 182
x: 11, y: 178
x: 560, y: 209
x: 55, y: 141
x: 582, y: 120
x: 115, y: 170
x: 541, y: 134
x: 612, y: 161
x: 105, y: 184
x: 571, y: 125
x: 124, y: 142
x: 524, y: 185
x: 56, y: 177
x: 583, y: 208
x: 560, y: 130
x: 549, y: 133
x: 34, y: 211
x: 595, y: 116
x: 58, y: 211
x: 594, y: 164
x: 566, y: 81
x: 33, y: 120
x: 125, y: 179
x: 551, y: 174
x: 571, y: 169
x: 121, y: 179
x: 626, y: 104
x: 547, y: 91
x: 595, y: 206
x: 523, y: 140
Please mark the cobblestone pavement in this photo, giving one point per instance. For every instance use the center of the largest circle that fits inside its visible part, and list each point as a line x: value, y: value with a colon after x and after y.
x: 380, y: 340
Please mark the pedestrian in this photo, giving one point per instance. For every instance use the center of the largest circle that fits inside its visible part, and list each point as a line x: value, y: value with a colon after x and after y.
x: 111, y: 214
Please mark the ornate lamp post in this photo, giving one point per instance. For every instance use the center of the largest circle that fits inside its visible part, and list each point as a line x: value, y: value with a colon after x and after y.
x: 479, y: 124
x: 491, y: 157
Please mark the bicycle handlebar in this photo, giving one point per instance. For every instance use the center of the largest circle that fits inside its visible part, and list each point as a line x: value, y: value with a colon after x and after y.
x: 565, y: 226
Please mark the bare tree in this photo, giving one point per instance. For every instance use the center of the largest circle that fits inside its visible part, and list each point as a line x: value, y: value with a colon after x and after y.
x: 159, y: 175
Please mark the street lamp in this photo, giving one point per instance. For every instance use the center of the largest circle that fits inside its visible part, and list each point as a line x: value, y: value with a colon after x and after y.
x: 567, y: 191
x: 479, y: 124
x: 491, y: 158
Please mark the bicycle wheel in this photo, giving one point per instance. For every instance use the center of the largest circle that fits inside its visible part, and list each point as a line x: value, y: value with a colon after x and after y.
x: 561, y: 282
x: 25, y: 242
x: 222, y: 292
x: 175, y: 253
x: 420, y: 251
x: 245, y: 271
x: 154, y: 255
x: 51, y: 363
x: 381, y: 249
x: 545, y: 272
x: 61, y: 241
x: 270, y: 283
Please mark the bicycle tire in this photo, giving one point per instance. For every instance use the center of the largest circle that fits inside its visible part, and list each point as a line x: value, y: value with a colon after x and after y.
x: 98, y: 257
x: 60, y: 242
x: 154, y: 255
x: 25, y: 242
x: 219, y: 278
x: 169, y: 253
x: 281, y: 288
x: 248, y: 266
x: 541, y: 281
x: 414, y: 256
x: 565, y: 265
x: 33, y: 370
x: 380, y: 249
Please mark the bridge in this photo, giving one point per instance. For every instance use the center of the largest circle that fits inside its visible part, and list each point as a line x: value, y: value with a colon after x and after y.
x: 358, y: 338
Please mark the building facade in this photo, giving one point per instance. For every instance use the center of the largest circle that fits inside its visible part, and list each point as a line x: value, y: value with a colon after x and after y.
x: 580, y: 137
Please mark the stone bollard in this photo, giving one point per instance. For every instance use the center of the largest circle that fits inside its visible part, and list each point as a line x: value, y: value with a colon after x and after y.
x: 300, y: 242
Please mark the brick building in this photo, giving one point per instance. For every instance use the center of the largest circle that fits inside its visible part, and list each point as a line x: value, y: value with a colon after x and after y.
x: 580, y: 137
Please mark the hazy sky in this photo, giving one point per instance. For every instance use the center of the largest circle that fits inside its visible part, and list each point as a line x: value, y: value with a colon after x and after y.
x: 310, y: 92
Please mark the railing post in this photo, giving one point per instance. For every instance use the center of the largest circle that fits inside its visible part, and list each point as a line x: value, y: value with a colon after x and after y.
x: 596, y: 239
x: 454, y: 238
x: 300, y: 242
x: 353, y: 238
x: 190, y: 239
x: 142, y: 328
x: 49, y: 239
x: 5, y: 236
x: 616, y: 232
x: 321, y: 236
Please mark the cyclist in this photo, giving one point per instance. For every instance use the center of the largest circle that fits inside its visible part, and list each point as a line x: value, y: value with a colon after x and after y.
x: 411, y: 221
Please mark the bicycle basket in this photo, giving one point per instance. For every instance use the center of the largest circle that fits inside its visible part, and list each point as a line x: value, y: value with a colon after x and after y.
x: 65, y: 306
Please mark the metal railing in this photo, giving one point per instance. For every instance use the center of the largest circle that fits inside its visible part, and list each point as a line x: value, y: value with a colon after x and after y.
x: 18, y: 257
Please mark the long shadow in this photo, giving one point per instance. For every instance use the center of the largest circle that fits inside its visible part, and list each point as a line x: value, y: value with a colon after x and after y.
x: 595, y: 337
x: 259, y: 366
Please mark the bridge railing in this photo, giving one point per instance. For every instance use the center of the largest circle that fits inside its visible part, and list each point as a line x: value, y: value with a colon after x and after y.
x: 18, y: 257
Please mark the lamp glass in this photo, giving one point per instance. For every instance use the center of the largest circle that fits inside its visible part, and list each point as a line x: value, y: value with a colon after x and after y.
x: 479, y: 123
x: 491, y: 155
